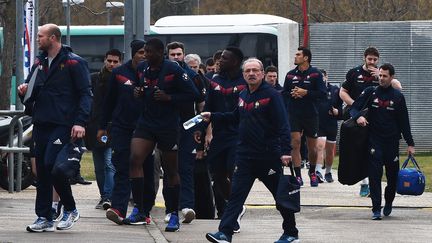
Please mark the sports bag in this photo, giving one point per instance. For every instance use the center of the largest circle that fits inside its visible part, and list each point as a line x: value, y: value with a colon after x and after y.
x: 411, y: 181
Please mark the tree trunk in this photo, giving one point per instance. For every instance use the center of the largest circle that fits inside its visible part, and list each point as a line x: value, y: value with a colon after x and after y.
x: 7, y: 15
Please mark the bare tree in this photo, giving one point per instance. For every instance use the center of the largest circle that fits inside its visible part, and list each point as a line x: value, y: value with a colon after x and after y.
x: 7, y: 20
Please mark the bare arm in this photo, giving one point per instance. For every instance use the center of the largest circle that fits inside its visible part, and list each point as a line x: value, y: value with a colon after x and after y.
x: 343, y: 94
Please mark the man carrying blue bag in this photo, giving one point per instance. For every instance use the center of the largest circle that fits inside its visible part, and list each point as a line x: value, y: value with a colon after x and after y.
x: 387, y: 118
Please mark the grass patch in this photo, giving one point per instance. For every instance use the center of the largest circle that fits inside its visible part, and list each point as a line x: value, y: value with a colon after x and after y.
x: 87, y: 167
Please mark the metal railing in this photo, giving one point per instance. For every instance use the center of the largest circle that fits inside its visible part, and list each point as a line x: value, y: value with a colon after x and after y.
x: 12, y: 150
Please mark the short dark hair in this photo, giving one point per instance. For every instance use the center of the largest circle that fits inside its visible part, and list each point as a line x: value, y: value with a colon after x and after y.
x: 175, y: 45
x: 209, y: 62
x: 156, y: 44
x: 371, y: 51
x: 388, y: 67
x: 306, y: 52
x: 237, y: 53
x: 114, y: 52
x: 217, y: 55
x: 271, y: 68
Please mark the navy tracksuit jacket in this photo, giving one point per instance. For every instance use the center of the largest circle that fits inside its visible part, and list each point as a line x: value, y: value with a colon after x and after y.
x: 264, y: 135
x: 62, y: 98
x: 122, y: 110
x: 388, y: 119
x: 311, y: 80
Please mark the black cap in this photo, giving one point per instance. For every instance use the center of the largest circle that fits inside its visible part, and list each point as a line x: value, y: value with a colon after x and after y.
x: 136, y: 45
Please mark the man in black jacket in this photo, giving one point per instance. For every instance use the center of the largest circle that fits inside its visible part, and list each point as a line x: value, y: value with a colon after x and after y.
x: 101, y: 152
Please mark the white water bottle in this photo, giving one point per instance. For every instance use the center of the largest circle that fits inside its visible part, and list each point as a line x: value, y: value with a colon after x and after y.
x: 192, y: 122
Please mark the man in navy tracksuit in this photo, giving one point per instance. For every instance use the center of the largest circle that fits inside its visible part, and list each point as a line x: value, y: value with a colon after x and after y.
x: 165, y: 86
x: 263, y: 147
x: 187, y: 144
x: 62, y: 102
x: 222, y: 96
x: 303, y: 88
x: 120, y: 114
x: 387, y: 119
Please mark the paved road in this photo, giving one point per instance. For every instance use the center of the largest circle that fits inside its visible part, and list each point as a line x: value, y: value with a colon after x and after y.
x: 330, y: 213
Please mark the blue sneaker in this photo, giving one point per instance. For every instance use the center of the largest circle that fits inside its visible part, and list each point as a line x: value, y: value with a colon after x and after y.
x: 286, y: 238
x: 41, y: 225
x: 218, y: 237
x: 376, y: 215
x: 137, y: 218
x: 387, y: 209
x: 364, y: 190
x: 68, y: 220
x: 173, y: 224
x: 320, y: 177
x: 313, y: 179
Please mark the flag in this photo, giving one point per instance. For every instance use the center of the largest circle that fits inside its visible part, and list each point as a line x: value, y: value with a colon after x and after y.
x: 29, y: 29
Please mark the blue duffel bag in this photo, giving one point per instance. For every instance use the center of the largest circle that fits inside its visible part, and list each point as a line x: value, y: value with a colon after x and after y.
x: 411, y: 181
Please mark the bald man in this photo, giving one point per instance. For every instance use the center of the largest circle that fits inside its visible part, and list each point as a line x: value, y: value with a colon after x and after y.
x: 61, y: 100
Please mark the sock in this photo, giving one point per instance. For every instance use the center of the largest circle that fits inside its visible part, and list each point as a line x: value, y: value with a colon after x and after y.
x: 137, y: 186
x: 328, y: 169
x: 318, y: 168
x: 312, y: 168
x: 297, y: 171
x: 54, y: 205
x: 173, y: 193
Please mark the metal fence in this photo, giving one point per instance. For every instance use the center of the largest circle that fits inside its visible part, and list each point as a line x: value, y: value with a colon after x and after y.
x: 338, y: 47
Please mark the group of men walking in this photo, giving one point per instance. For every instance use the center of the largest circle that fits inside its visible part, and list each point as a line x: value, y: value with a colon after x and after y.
x: 252, y: 128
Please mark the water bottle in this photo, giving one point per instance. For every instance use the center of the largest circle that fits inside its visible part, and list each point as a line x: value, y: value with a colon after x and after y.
x: 104, y: 139
x: 192, y: 122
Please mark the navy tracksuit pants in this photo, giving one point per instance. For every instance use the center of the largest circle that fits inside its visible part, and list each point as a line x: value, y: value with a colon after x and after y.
x: 186, y: 163
x: 120, y: 143
x: 246, y: 171
x: 382, y: 153
x: 49, y: 140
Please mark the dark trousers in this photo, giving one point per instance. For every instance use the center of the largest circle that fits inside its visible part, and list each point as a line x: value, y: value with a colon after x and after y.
x: 244, y: 176
x: 221, y: 163
x: 49, y: 140
x: 120, y: 142
x: 383, y: 154
x: 186, y: 163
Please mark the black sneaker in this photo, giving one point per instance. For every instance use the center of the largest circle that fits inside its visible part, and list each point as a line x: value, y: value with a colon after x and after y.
x: 387, y: 209
x: 106, y: 204
x: 328, y: 177
x: 99, y: 205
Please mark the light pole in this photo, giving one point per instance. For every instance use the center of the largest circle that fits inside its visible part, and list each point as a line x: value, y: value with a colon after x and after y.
x: 109, y: 5
x: 66, y: 5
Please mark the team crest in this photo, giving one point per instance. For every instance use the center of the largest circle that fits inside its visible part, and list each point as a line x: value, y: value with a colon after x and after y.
x: 235, y: 89
x: 257, y: 104
x: 241, y: 103
x: 185, y: 76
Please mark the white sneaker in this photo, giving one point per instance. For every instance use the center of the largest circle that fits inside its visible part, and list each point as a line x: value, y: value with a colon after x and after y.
x: 41, y: 225
x: 68, y: 220
x: 167, y: 218
x: 188, y: 215
x: 237, y: 227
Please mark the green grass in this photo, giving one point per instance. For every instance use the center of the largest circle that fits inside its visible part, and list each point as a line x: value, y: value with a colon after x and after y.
x: 87, y: 167
x: 424, y: 161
